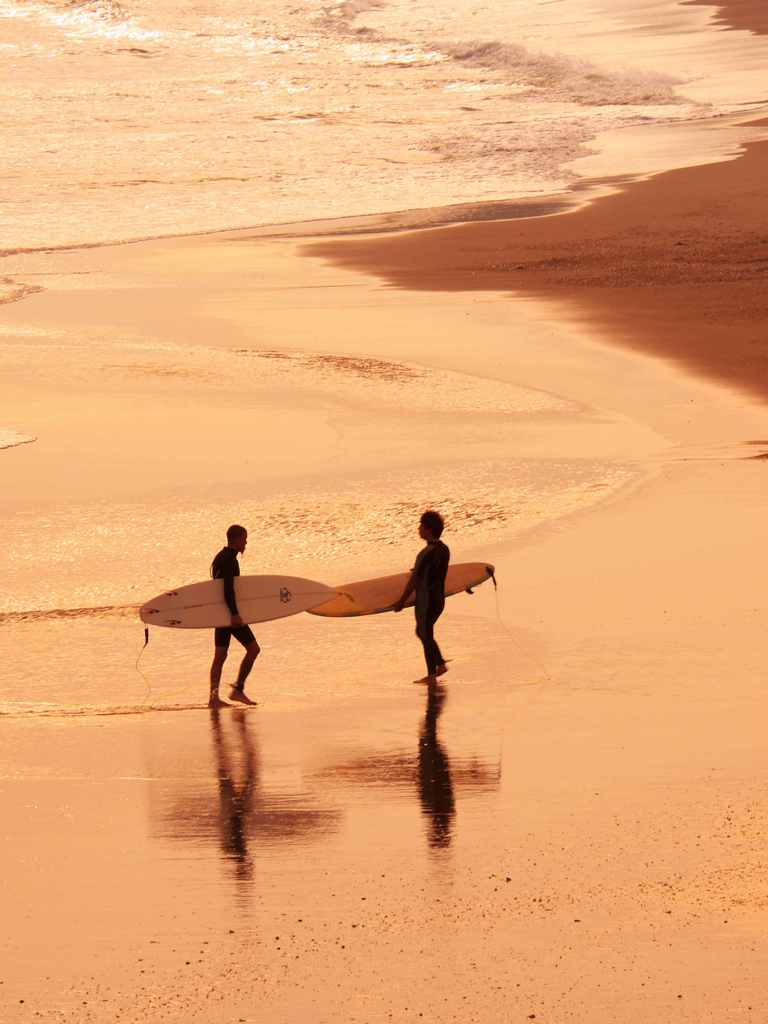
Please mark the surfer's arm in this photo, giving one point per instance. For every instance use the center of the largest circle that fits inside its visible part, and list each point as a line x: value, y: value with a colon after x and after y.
x: 409, y: 589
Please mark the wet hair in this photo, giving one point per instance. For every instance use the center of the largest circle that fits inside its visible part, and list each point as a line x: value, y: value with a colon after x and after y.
x: 433, y: 522
x: 236, y: 531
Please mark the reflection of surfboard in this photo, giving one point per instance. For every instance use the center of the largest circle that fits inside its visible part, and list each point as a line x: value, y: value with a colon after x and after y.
x: 259, y: 599
x: 369, y: 597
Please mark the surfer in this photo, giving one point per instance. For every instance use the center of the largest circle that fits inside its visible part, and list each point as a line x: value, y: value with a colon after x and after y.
x: 225, y: 567
x: 428, y: 580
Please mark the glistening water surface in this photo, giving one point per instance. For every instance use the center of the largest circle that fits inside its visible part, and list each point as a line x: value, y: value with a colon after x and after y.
x: 136, y: 119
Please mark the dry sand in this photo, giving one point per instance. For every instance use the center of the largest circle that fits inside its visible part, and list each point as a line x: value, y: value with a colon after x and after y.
x: 575, y: 830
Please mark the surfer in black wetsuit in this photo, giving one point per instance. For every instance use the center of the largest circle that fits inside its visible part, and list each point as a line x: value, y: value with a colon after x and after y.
x: 428, y: 580
x: 225, y: 567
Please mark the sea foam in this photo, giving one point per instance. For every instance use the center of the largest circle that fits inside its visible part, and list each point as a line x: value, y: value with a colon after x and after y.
x: 12, y: 438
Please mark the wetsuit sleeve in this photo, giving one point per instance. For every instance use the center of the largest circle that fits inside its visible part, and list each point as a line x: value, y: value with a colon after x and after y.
x: 418, y: 566
x: 445, y: 560
x: 228, y: 576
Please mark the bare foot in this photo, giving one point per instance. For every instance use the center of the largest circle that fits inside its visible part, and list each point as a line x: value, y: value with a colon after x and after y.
x: 216, y: 702
x: 426, y: 679
x: 441, y: 669
x: 241, y: 697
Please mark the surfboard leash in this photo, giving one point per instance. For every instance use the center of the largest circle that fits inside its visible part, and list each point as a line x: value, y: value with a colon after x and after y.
x: 541, y: 670
x: 138, y: 659
x: 499, y: 618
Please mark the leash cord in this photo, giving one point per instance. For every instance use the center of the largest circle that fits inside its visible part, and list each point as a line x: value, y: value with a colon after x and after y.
x: 143, y: 648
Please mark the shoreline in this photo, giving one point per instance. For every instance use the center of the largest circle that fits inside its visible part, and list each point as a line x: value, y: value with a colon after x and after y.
x: 731, y: 14
x: 525, y: 257
x: 576, y: 197
x: 701, y: 259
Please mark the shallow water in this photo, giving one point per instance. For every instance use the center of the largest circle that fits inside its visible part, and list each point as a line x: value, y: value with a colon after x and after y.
x: 315, y: 516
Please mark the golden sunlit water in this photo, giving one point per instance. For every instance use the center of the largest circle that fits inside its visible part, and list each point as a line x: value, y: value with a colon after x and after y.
x: 142, y: 119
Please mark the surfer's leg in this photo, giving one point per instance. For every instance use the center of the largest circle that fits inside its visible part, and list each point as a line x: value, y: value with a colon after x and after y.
x: 424, y: 627
x: 219, y: 657
x: 251, y: 654
x: 245, y: 635
x: 432, y: 653
x: 437, y: 655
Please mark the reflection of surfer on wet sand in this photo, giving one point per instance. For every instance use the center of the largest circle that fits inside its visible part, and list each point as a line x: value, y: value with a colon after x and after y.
x: 242, y: 816
x: 236, y: 800
x: 435, y: 783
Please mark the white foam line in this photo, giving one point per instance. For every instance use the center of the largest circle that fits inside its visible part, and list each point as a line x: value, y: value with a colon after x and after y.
x: 12, y: 438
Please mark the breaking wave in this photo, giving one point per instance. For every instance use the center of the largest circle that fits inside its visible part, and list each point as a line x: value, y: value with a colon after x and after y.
x: 566, y: 79
x: 121, y: 611
x: 21, y: 709
x: 82, y: 18
x: 12, y: 438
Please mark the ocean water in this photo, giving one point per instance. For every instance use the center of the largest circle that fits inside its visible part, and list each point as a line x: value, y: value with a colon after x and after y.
x: 136, y: 119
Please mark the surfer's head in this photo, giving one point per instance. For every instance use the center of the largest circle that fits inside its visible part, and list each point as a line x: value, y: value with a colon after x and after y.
x: 431, y: 525
x: 237, y: 537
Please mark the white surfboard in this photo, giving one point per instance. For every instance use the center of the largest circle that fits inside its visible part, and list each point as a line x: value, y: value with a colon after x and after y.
x: 259, y: 599
x: 369, y: 597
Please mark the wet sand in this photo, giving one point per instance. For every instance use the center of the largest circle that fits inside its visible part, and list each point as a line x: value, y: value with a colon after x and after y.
x: 675, y: 265
x: 747, y: 15
x: 572, y: 829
